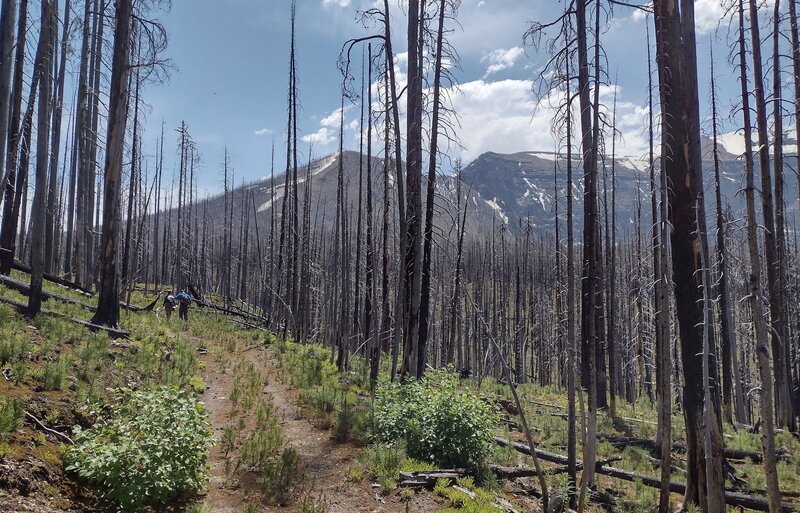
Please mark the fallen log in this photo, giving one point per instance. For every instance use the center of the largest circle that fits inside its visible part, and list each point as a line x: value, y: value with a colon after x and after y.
x: 19, y: 266
x: 247, y: 326
x: 24, y: 289
x: 135, y: 308
x: 23, y: 309
x: 514, y: 472
x: 731, y: 498
x: 47, y: 429
x: 734, y: 454
x: 429, y: 479
x: 227, y: 311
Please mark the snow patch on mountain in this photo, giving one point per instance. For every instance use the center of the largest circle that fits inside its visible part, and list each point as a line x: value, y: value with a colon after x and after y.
x: 546, y: 155
x: 496, y: 207
x: 544, y: 198
x: 268, y: 204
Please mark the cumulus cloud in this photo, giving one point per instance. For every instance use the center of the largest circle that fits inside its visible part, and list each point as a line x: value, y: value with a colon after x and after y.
x: 340, y: 3
x: 501, y: 59
x: 332, y: 120
x: 322, y: 137
x: 709, y: 14
x: 505, y: 116
x: 263, y: 131
x: 328, y: 132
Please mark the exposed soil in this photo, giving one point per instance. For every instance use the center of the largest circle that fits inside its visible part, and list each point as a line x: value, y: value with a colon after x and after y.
x: 326, y: 463
x: 32, y: 477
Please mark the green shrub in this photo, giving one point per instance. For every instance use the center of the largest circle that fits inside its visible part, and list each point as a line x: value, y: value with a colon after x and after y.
x: 12, y: 413
x: 261, y: 448
x: 90, y: 355
x: 437, y: 421
x: 54, y: 372
x: 382, y: 462
x: 150, y: 447
x: 346, y: 417
x: 278, y: 480
x: 12, y: 347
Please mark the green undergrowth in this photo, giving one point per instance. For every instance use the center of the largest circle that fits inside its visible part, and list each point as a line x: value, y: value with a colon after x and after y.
x: 412, y: 427
x: 144, y: 449
x: 382, y: 463
x: 334, y: 400
x: 546, y: 409
x: 252, y: 441
x: 466, y: 497
x: 436, y: 419
x: 68, y: 376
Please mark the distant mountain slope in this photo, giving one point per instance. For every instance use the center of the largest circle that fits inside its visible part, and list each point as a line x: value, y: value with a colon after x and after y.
x: 510, y: 189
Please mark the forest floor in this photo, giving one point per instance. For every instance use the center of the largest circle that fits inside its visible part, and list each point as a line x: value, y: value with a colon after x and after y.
x: 52, y: 367
x: 255, y: 389
x: 325, y: 466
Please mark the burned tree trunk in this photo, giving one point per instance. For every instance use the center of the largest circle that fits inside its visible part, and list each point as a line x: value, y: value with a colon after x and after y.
x: 45, y: 64
x: 681, y: 161
x: 755, y: 289
x: 108, y: 299
x: 52, y: 236
x: 8, y: 21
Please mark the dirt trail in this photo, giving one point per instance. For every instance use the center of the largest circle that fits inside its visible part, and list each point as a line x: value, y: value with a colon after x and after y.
x: 221, y: 497
x: 327, y: 464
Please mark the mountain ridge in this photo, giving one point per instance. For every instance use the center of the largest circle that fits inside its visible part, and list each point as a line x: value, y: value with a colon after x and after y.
x: 503, y: 191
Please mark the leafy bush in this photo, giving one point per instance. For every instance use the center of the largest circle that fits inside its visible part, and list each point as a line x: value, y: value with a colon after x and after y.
x: 437, y: 421
x: 346, y: 417
x: 150, y: 447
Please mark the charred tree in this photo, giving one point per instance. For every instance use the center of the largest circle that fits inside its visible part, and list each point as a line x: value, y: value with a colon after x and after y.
x: 108, y: 299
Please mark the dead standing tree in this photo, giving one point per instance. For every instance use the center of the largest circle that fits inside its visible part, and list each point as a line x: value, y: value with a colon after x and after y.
x: 444, y: 9
x: 681, y: 162
x: 755, y: 288
x: 38, y: 257
x: 108, y: 298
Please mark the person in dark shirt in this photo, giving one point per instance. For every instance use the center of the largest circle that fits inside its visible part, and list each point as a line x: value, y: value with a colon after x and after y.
x: 169, y: 305
x: 184, y: 300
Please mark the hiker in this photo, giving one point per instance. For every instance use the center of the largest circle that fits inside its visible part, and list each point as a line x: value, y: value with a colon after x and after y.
x: 184, y: 300
x: 169, y: 305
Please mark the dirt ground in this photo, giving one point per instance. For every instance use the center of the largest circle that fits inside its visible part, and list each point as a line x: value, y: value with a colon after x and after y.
x: 326, y: 463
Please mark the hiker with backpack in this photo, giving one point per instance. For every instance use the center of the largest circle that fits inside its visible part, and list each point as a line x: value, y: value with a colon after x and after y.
x: 184, y: 300
x: 169, y: 305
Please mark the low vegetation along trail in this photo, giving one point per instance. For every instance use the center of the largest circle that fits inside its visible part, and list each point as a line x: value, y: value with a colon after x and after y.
x: 290, y: 431
x: 324, y: 465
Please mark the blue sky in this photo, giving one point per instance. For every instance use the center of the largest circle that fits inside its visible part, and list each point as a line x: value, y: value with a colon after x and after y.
x: 230, y: 80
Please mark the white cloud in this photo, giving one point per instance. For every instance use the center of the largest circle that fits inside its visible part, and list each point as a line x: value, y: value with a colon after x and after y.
x: 340, y: 3
x: 505, y: 117
x: 333, y: 119
x: 501, y: 59
x: 263, y: 131
x: 322, y: 137
x: 709, y: 14
x: 328, y: 133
